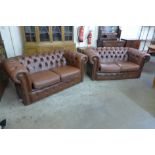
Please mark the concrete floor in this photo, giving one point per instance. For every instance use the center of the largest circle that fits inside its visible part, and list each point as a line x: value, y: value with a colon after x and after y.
x: 91, y: 104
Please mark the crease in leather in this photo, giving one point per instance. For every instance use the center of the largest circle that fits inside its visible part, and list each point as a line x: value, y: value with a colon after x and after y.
x: 44, y: 78
x: 128, y: 66
x: 67, y: 72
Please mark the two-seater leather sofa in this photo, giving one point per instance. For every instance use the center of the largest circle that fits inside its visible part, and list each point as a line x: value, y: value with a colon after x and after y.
x: 38, y: 76
x: 107, y: 63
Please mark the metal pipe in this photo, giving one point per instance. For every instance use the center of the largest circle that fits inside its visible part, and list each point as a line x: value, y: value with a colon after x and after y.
x: 153, y: 36
x: 146, y: 37
x: 140, y: 32
x: 12, y: 41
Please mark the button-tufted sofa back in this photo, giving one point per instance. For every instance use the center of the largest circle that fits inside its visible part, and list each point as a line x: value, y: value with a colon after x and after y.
x: 112, y: 54
x: 43, y: 61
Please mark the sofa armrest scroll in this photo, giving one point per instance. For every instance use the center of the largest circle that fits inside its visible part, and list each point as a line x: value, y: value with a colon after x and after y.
x: 92, y: 55
x: 138, y: 57
x: 93, y: 63
x: 14, y: 69
x: 75, y: 58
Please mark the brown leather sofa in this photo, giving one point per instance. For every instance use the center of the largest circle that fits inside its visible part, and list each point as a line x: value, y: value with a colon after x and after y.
x: 38, y: 76
x: 108, y: 63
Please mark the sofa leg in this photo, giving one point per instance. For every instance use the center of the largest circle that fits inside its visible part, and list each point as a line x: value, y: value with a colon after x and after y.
x: 21, y: 96
x: 18, y: 91
x: 154, y: 83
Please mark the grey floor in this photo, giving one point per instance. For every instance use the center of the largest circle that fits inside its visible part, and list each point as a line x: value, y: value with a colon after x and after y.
x: 91, y: 104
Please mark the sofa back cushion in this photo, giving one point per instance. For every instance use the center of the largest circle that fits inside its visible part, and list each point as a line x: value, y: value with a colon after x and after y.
x: 112, y: 54
x: 44, y: 61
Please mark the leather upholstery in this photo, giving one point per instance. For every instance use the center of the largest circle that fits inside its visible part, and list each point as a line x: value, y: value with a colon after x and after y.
x: 38, y: 76
x: 93, y: 56
x: 44, y: 78
x: 128, y: 66
x: 111, y: 54
x: 110, y: 67
x: 43, y: 62
x: 138, y: 57
x: 119, y: 66
x: 14, y: 68
x: 115, y: 62
x: 77, y: 60
x: 67, y: 72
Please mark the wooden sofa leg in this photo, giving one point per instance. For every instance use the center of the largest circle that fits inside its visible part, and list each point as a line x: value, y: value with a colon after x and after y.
x: 18, y: 91
x: 154, y: 83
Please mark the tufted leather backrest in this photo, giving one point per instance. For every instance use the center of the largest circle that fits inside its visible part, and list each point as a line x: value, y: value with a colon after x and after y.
x: 44, y: 61
x: 112, y: 54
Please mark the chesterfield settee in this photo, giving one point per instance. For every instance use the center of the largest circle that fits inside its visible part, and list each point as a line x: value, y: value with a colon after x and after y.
x: 109, y: 63
x: 39, y: 76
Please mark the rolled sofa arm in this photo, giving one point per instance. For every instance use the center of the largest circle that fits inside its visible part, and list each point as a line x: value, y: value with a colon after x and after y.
x: 75, y: 59
x: 20, y: 76
x: 138, y: 57
x: 92, y: 55
x: 78, y: 60
x: 14, y: 69
x: 93, y: 63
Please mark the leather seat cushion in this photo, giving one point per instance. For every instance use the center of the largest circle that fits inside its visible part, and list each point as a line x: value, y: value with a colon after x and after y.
x: 44, y: 78
x: 128, y: 66
x: 67, y: 72
x: 109, y: 67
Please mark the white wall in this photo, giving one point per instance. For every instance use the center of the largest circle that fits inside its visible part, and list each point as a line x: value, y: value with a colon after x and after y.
x: 147, y: 34
x: 7, y: 41
x: 130, y: 32
x: 17, y: 39
x: 12, y: 39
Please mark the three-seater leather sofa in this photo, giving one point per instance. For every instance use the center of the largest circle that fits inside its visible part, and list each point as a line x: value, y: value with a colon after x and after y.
x: 108, y: 63
x: 38, y: 76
